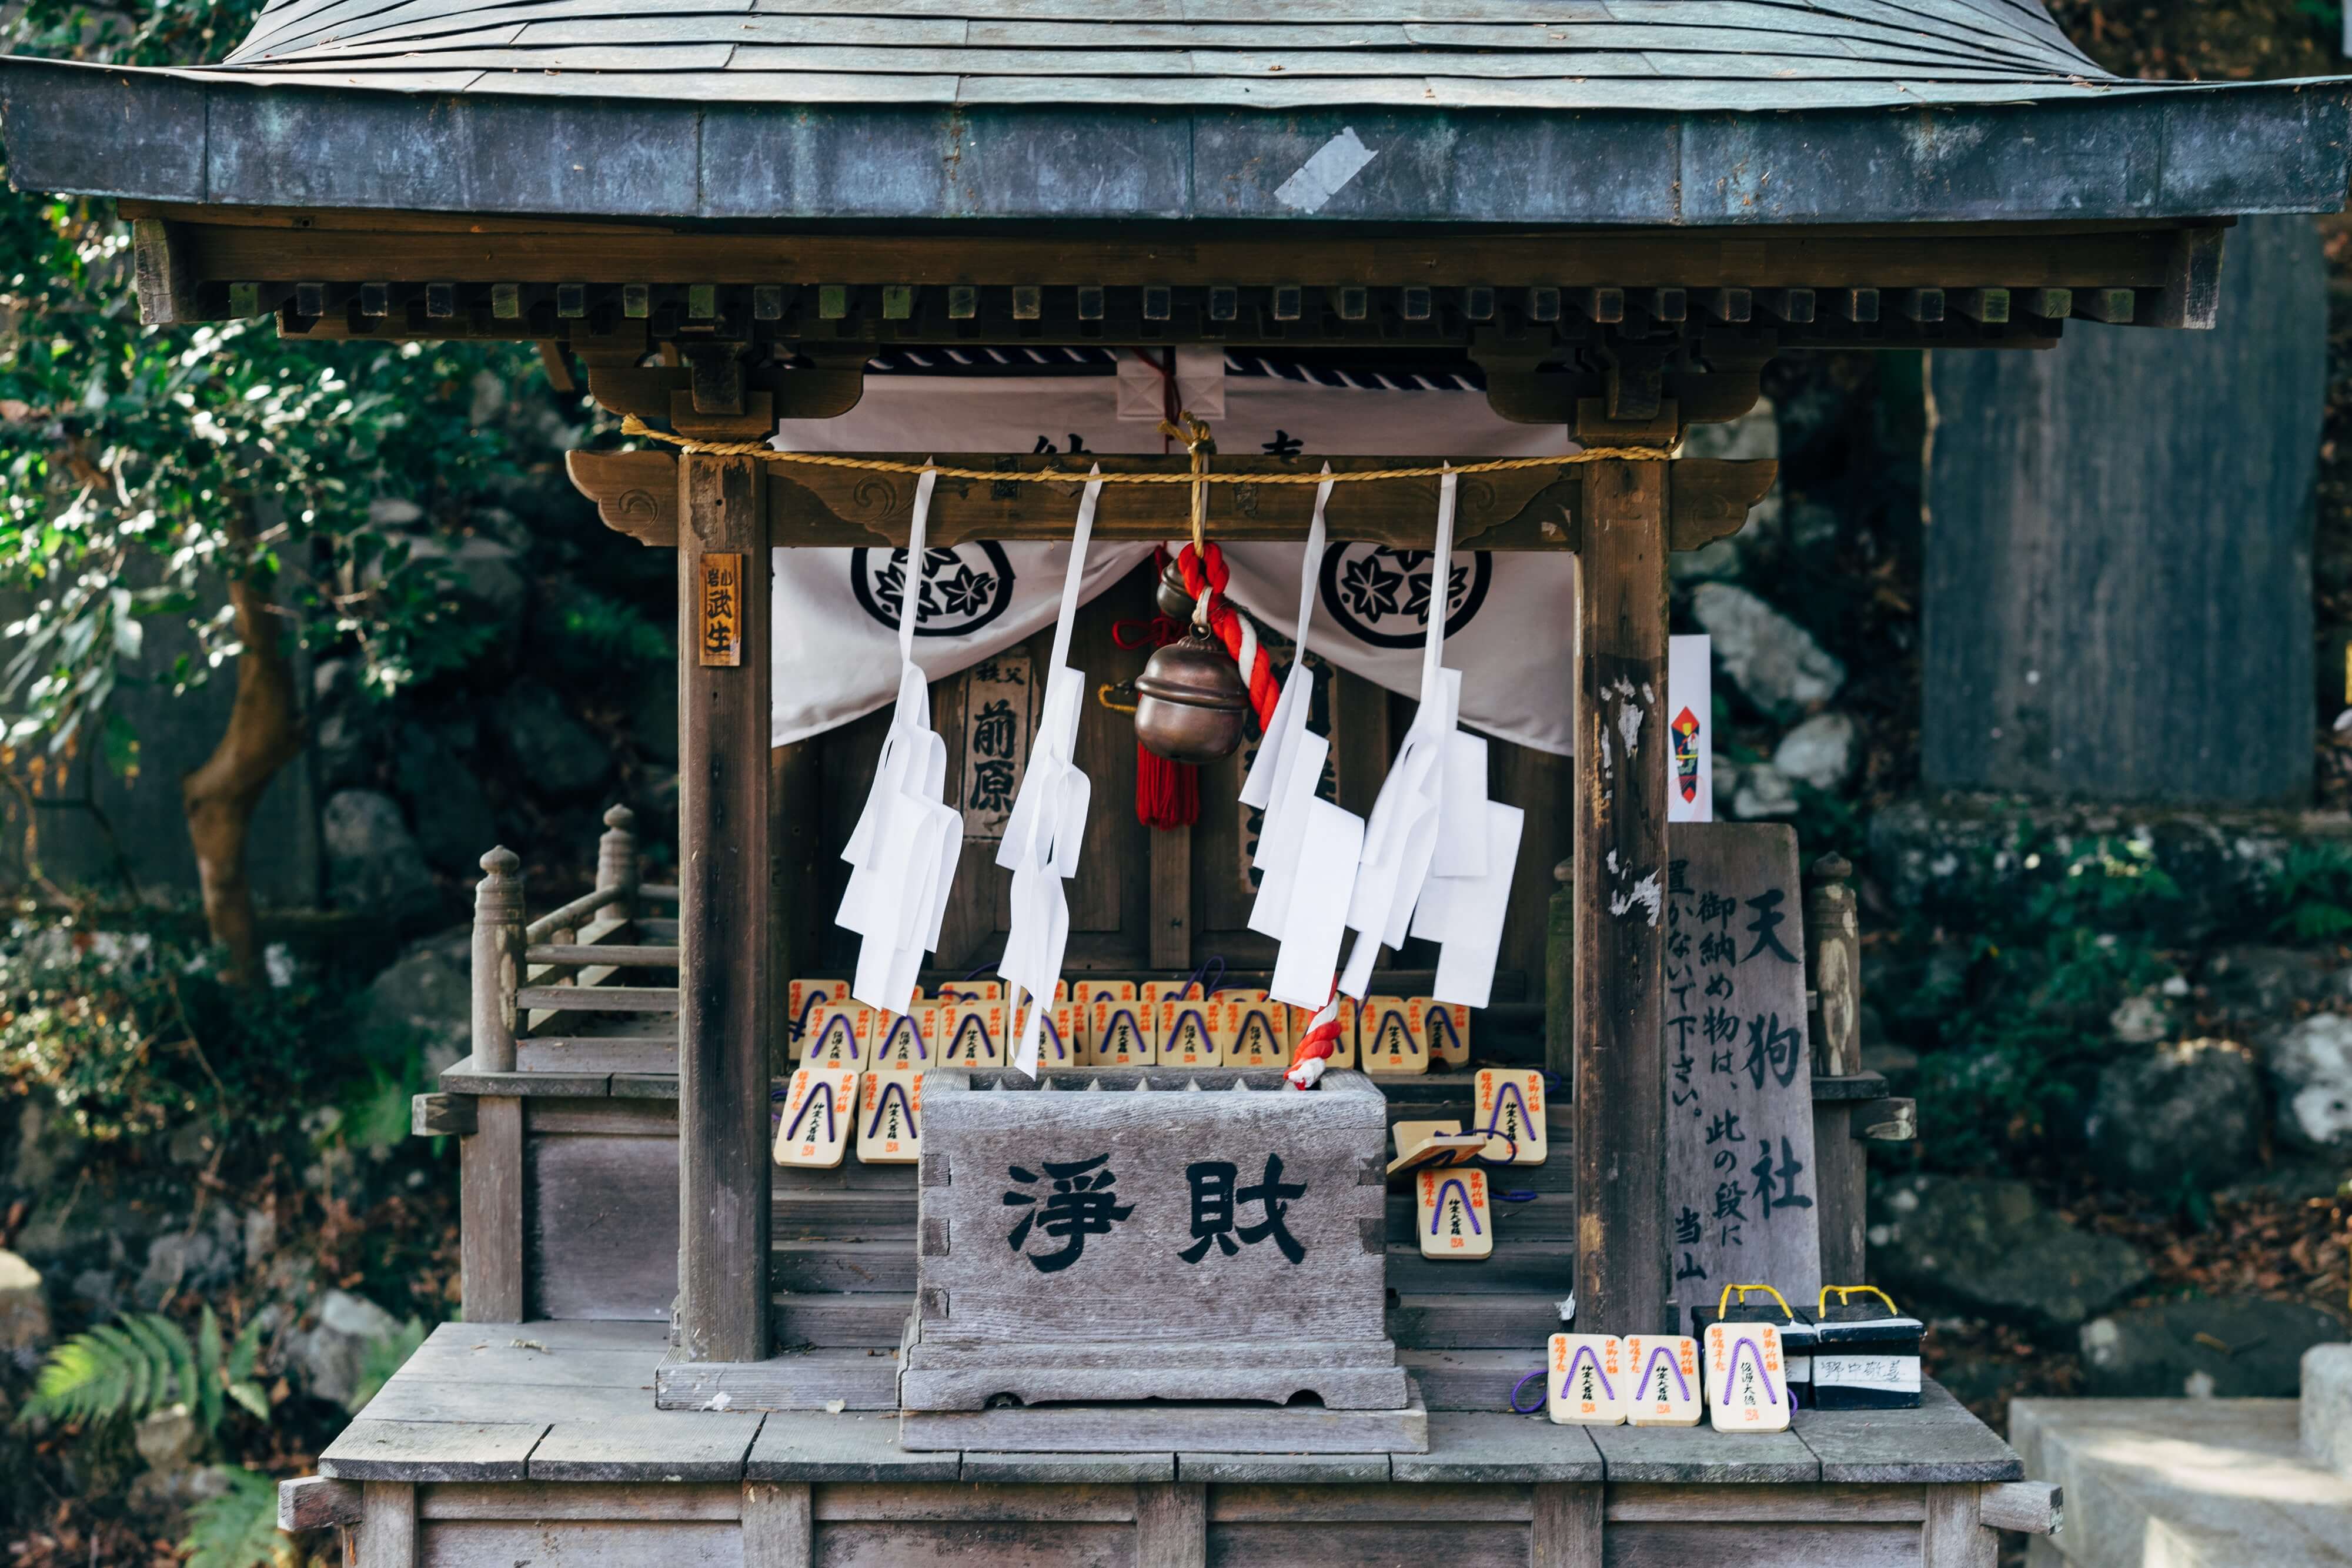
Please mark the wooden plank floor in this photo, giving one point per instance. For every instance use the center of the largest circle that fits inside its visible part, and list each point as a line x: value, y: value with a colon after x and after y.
x: 573, y: 1401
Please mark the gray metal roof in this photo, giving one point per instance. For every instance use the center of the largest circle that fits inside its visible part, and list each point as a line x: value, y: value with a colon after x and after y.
x: 1508, y: 112
x: 1231, y: 54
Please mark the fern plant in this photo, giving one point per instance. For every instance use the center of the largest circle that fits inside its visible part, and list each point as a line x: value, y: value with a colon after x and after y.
x: 238, y: 1529
x: 143, y: 1361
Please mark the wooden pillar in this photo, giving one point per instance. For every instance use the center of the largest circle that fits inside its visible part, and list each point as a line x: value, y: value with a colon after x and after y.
x: 1567, y: 1529
x: 1620, y: 872
x: 387, y: 1533
x: 777, y: 1527
x: 491, y: 1285
x: 723, y: 954
x: 1171, y: 1524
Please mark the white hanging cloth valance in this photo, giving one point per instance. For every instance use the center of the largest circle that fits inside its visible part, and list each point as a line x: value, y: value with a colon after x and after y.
x: 1511, y: 618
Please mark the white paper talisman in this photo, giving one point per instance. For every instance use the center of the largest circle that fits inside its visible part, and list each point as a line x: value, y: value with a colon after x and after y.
x: 1454, y: 1220
x: 890, y: 1119
x: 1667, y: 1382
x: 1510, y: 1112
x: 1586, y: 1382
x: 1747, y: 1380
x: 1048, y: 824
x: 902, y: 852
x: 803, y: 995
x: 839, y: 1034
x: 819, y: 1111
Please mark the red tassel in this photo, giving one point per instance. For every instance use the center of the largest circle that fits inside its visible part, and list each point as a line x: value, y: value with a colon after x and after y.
x: 1167, y: 794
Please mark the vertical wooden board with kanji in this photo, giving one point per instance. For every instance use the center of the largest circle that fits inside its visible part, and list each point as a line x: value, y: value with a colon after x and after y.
x: 1739, y: 1123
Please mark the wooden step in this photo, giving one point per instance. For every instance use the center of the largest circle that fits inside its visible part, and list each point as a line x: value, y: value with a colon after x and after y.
x: 598, y: 998
x: 883, y: 1261
x: 862, y: 1320
x: 611, y: 955
x: 1505, y: 1321
x: 1516, y: 1266
x: 842, y: 1213
x: 799, y: 1380
x: 1472, y: 1379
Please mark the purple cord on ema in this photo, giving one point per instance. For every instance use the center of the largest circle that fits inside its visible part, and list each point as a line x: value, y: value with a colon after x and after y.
x: 1584, y: 1354
x: 1438, y: 1212
x: 1668, y: 1351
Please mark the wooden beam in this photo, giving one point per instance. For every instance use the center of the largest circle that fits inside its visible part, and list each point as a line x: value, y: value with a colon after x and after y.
x: 1619, y: 879
x: 307, y: 244
x: 160, y: 272
x: 2192, y: 294
x: 1527, y: 508
x: 315, y: 1502
x: 724, y: 912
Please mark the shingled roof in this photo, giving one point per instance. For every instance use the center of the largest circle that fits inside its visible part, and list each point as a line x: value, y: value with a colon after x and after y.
x: 1238, y: 53
x: 1462, y: 111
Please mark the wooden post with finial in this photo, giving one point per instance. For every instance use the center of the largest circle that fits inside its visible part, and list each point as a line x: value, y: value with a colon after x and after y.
x: 497, y: 959
x: 489, y: 1161
x: 616, y: 863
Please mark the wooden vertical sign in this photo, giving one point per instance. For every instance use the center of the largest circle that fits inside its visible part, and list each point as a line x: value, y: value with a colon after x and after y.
x: 720, y: 607
x: 999, y: 714
x: 1740, y: 1182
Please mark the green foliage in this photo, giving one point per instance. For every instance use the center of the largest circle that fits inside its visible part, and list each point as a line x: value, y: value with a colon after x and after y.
x: 141, y: 468
x: 238, y: 1529
x: 385, y: 1356
x: 141, y: 1362
x: 598, y: 629
x: 2005, y: 992
x: 2310, y: 895
x: 130, y: 1033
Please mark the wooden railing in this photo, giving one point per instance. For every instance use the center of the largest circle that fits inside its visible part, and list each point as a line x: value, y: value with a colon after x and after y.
x: 526, y: 976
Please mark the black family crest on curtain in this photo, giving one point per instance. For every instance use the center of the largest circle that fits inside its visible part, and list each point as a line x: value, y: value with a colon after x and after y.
x: 965, y: 587
x: 1380, y: 594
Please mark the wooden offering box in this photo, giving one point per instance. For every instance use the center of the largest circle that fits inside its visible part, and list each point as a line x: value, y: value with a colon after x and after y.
x: 1155, y: 1235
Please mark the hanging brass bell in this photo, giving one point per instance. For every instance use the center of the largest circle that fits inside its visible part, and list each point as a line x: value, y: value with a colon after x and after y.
x: 1191, y: 701
x: 1175, y: 600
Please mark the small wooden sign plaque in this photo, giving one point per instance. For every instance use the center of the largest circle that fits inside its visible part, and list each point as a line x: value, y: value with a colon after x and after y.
x: 721, y: 609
